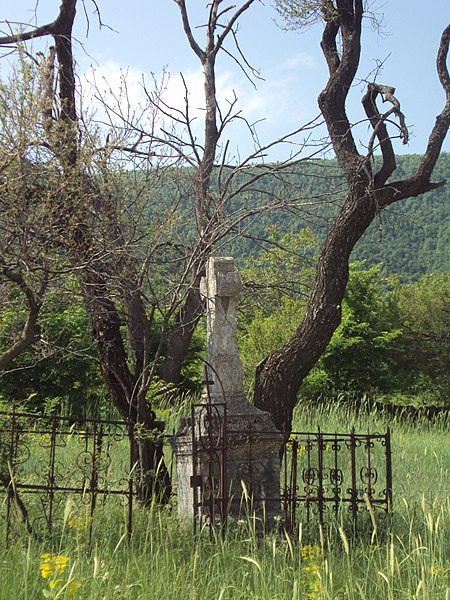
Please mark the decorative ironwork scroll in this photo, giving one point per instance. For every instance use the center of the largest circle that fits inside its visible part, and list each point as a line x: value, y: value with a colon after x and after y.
x: 324, y: 471
x: 44, y: 458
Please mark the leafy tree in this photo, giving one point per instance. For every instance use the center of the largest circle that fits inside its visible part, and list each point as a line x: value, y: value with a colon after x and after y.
x: 358, y: 360
x: 26, y: 266
x: 82, y: 209
x: 276, y: 284
x: 361, y: 356
x: 422, y: 311
x: 282, y: 269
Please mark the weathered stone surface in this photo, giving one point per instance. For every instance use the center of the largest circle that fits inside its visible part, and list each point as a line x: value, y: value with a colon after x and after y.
x: 237, y: 448
x: 220, y: 287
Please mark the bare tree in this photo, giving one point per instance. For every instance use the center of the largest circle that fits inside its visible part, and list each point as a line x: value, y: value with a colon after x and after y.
x: 211, y: 177
x: 73, y: 199
x: 86, y: 227
x: 215, y: 183
x: 370, y: 190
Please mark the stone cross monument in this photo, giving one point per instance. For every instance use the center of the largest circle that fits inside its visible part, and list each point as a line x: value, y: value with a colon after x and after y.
x: 227, y: 451
x: 220, y: 288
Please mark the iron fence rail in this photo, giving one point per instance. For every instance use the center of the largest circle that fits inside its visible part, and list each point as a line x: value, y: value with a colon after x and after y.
x: 50, y: 457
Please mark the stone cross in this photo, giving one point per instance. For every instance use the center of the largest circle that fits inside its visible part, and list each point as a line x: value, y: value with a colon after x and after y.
x: 244, y: 456
x: 221, y: 287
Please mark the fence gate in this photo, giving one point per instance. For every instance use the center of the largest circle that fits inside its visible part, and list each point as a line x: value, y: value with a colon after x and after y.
x: 209, y: 459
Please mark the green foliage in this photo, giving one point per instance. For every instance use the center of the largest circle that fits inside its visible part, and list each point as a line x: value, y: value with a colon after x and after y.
x: 422, y: 363
x: 282, y: 270
x: 264, y: 333
x: 299, y: 14
x: 277, y: 282
x: 357, y: 358
x: 409, y: 239
x: 392, y: 343
x: 60, y: 373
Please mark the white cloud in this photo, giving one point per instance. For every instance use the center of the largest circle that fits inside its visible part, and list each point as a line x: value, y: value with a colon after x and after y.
x: 301, y: 59
x: 276, y: 103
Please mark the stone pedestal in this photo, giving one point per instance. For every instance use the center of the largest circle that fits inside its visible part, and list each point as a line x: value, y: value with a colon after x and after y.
x: 227, y: 451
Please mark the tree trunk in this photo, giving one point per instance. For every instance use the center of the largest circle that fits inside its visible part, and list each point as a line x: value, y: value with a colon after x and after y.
x: 280, y: 375
x: 127, y: 394
x: 181, y: 335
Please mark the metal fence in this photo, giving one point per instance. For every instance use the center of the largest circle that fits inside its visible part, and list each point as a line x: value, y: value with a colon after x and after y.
x: 325, y: 472
x: 322, y: 474
x: 44, y: 459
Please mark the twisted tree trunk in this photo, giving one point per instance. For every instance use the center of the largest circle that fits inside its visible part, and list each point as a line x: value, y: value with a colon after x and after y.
x: 280, y: 375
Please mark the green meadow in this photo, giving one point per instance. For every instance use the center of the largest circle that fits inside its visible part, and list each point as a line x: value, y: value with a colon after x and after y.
x: 406, y: 556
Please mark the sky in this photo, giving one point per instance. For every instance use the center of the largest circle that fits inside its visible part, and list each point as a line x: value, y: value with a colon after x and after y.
x: 145, y: 37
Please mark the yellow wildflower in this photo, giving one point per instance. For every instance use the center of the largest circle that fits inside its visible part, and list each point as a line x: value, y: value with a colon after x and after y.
x: 312, y: 557
x: 311, y: 552
x: 79, y: 523
x: 72, y: 588
x: 60, y: 563
x: 52, y: 566
x: 46, y: 570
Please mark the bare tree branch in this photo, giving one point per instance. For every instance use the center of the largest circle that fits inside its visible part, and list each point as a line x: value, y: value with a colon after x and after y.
x: 30, y: 332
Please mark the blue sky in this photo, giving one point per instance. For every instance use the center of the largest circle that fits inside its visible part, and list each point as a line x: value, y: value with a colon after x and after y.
x: 146, y: 37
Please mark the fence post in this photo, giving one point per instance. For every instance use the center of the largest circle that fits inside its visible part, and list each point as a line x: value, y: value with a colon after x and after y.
x: 320, y: 494
x: 353, y: 491
x: 388, y: 469
x: 336, y: 448
x: 51, y: 473
x: 130, y: 481
x: 293, y: 490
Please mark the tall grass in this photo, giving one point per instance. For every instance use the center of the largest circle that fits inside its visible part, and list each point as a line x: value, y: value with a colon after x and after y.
x: 409, y: 558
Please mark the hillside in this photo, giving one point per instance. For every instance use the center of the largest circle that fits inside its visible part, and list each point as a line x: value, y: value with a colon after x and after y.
x: 415, y: 233
x: 410, y: 238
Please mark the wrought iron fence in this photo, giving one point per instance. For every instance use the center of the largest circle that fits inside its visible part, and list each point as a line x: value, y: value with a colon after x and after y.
x: 43, y: 459
x: 335, y: 471
x: 322, y: 474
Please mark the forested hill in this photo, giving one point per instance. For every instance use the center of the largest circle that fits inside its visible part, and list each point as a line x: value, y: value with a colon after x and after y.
x: 415, y: 233
x: 410, y: 238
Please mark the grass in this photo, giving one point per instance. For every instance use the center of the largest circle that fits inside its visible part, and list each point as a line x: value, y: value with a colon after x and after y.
x: 409, y: 558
